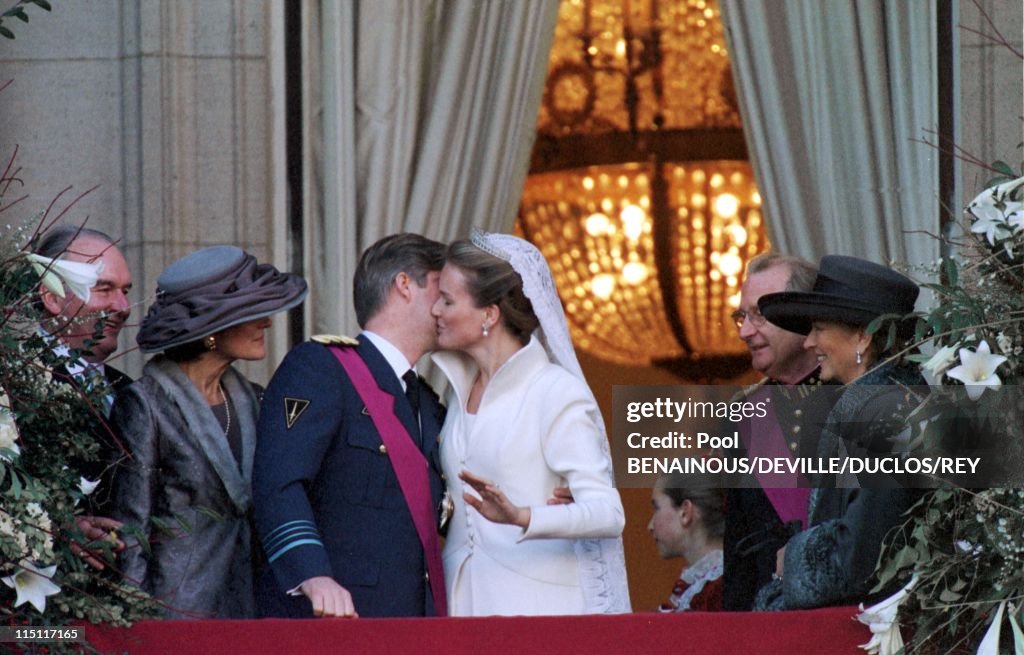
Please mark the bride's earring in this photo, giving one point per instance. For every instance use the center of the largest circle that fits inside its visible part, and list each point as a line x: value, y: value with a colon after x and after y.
x: 484, y: 328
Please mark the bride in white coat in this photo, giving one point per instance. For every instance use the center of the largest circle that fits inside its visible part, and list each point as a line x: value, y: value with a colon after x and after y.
x: 521, y: 421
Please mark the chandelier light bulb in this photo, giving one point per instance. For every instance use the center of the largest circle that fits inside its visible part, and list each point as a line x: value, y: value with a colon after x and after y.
x: 633, y: 219
x: 730, y: 264
x: 726, y: 205
x: 602, y: 285
x: 597, y: 224
x: 737, y: 234
x: 634, y: 273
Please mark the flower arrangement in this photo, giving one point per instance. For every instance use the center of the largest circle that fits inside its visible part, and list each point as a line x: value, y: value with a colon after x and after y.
x: 963, y: 549
x: 46, y: 433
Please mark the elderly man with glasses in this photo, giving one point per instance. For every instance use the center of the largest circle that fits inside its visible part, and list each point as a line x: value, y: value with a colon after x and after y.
x: 759, y: 520
x: 778, y: 354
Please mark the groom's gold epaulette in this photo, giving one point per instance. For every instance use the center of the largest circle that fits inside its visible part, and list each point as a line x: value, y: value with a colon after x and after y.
x: 334, y: 340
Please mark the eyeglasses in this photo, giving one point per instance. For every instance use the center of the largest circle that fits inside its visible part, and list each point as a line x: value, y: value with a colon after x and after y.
x: 754, y: 316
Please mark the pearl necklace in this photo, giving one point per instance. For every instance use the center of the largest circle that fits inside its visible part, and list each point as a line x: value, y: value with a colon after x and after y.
x: 227, y: 410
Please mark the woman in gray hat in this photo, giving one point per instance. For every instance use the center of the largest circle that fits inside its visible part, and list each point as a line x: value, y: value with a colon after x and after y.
x: 831, y: 562
x: 190, y: 426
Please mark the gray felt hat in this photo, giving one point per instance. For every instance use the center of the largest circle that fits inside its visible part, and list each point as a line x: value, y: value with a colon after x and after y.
x: 213, y: 289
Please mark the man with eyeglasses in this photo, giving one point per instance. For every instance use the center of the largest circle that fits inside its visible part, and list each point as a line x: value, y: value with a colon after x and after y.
x: 778, y: 354
x: 760, y: 519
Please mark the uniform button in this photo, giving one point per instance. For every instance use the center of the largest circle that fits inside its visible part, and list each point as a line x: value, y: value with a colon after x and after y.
x: 426, y: 576
x: 793, y: 446
x: 796, y: 429
x: 383, y: 449
x: 798, y: 413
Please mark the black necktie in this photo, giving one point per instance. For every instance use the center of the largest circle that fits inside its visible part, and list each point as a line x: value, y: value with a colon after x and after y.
x: 412, y: 392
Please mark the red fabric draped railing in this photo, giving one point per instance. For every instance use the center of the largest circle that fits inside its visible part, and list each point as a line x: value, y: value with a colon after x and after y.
x: 825, y: 631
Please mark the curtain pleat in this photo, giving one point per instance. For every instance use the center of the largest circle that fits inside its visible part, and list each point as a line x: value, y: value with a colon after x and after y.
x: 428, y: 116
x: 833, y: 94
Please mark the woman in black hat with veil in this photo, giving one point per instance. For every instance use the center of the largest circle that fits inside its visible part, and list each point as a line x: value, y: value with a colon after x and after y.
x: 831, y: 562
x: 190, y: 426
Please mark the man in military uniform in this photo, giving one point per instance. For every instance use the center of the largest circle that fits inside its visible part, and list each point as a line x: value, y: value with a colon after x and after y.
x: 759, y: 520
x: 335, y: 526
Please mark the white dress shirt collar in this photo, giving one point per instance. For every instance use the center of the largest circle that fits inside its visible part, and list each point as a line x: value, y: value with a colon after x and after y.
x: 395, y: 359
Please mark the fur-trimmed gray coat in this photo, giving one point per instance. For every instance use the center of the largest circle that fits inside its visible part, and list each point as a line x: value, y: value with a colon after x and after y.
x: 831, y: 562
x: 182, y: 469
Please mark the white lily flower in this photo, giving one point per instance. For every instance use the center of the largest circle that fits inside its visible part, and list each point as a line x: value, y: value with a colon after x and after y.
x: 79, y: 277
x: 881, y: 618
x: 990, y: 642
x: 87, y: 486
x: 977, y: 370
x: 1018, y: 634
x: 33, y: 584
x: 992, y: 212
x: 1000, y: 191
x: 940, y: 361
x: 990, y: 223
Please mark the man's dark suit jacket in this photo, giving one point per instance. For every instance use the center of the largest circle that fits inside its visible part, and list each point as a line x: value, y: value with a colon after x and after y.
x: 753, y: 530
x: 111, y: 450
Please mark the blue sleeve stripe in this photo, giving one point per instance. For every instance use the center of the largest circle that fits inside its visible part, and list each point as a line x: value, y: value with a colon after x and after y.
x: 290, y: 535
x: 295, y: 544
x: 270, y: 535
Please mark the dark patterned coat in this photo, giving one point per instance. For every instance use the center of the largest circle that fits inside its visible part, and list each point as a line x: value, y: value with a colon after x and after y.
x: 831, y: 562
x: 327, y: 500
x: 182, y: 468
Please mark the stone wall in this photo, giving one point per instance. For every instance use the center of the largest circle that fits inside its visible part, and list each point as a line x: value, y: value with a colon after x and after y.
x: 169, y: 107
x: 991, y: 87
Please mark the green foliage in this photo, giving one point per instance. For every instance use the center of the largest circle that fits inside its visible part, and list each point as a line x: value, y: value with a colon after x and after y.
x: 966, y: 549
x: 963, y: 547
x: 47, y: 436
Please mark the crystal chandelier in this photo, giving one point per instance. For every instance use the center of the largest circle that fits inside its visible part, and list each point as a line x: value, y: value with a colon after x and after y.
x: 640, y: 195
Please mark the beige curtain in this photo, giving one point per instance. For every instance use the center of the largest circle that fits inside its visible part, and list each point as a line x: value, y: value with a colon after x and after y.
x: 832, y: 94
x: 421, y: 119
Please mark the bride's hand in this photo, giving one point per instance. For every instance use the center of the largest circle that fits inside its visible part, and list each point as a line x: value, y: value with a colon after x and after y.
x: 492, y: 503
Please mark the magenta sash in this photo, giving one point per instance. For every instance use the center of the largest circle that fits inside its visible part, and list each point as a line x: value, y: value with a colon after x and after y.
x: 409, y: 463
x: 763, y: 437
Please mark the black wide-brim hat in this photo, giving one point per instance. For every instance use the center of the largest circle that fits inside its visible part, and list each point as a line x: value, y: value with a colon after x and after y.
x: 847, y: 290
x: 213, y: 289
